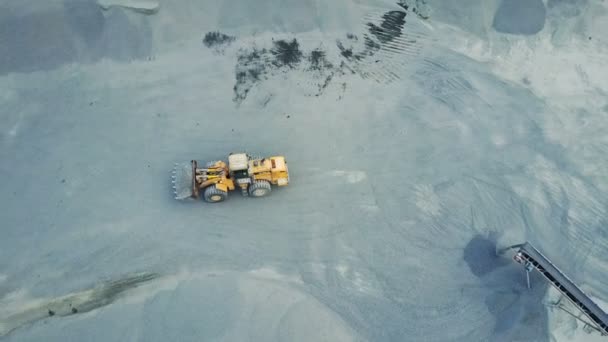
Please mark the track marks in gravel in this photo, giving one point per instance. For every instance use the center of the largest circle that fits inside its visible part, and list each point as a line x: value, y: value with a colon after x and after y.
x: 392, y: 41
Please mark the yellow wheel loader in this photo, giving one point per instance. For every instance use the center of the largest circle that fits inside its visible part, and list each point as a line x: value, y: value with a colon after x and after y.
x: 253, y: 176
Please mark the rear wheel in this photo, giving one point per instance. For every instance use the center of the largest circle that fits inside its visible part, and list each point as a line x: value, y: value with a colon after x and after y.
x: 213, y: 195
x: 259, y: 188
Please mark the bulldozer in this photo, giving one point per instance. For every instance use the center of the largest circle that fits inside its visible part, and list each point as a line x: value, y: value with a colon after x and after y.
x: 253, y: 176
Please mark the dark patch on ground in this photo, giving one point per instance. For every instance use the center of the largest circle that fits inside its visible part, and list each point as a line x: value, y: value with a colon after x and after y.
x: 521, y: 17
x: 371, y: 45
x: 110, y: 291
x: 390, y: 28
x: 286, y: 53
x: 323, y: 70
x: 217, y: 39
x: 318, y: 60
x: 251, y: 68
x: 519, y: 313
x: 352, y: 36
x: 480, y: 255
x: 347, y: 52
x: 257, y: 65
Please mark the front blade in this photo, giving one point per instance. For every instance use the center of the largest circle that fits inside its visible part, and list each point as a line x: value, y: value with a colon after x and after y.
x: 182, y: 180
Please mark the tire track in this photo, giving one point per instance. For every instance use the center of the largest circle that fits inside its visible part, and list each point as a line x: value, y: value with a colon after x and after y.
x: 446, y: 84
x: 393, y: 41
x: 79, y: 302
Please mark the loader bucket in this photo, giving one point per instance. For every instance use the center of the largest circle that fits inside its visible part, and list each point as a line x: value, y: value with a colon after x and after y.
x: 182, y: 179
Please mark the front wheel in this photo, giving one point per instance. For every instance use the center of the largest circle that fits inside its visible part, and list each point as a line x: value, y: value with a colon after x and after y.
x: 213, y: 195
x: 259, y: 188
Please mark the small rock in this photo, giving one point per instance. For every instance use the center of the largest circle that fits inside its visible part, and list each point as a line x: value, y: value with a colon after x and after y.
x: 74, y: 310
x: 51, y: 312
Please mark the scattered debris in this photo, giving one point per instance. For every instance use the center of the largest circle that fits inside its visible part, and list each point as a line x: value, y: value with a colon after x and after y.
x: 318, y: 60
x: 215, y: 38
x: 286, y: 53
x: 346, y: 52
x: 251, y: 68
x: 257, y: 65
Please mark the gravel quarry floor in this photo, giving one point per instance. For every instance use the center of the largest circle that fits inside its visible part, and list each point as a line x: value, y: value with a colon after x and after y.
x: 421, y: 137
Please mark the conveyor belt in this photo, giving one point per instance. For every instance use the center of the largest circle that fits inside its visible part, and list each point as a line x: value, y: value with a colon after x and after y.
x: 527, y: 253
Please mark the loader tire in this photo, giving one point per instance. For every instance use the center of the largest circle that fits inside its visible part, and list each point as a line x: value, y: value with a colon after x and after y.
x: 214, y: 195
x: 259, y: 188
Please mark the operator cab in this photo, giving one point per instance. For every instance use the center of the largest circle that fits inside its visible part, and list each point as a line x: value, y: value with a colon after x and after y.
x: 238, y: 165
